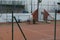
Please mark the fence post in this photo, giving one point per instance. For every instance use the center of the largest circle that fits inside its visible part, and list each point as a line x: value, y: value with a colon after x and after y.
x: 12, y: 27
x: 55, y: 25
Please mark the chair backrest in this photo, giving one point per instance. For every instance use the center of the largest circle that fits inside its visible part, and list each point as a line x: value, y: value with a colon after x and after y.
x: 46, y: 14
x: 35, y: 14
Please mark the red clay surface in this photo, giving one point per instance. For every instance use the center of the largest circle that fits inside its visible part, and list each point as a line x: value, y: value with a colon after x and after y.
x: 40, y: 31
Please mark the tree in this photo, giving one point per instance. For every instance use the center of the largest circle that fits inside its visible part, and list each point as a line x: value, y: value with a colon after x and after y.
x: 39, y: 1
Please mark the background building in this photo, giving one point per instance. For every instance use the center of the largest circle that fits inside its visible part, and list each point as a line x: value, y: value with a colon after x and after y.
x: 25, y: 8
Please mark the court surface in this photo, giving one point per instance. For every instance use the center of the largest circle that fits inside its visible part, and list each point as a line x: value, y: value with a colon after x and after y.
x: 39, y: 31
